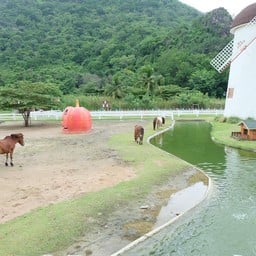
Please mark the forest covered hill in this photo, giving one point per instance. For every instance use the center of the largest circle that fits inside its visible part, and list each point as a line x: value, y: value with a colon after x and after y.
x: 112, y: 47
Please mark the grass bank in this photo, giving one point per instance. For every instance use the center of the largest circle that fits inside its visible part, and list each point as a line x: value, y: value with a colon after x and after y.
x: 221, y: 133
x: 57, y: 226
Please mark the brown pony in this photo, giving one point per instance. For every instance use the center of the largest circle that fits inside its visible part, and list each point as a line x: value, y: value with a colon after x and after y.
x: 158, y: 122
x: 138, y: 134
x: 7, y: 145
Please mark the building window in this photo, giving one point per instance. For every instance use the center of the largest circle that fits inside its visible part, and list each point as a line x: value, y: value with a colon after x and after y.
x: 230, y: 93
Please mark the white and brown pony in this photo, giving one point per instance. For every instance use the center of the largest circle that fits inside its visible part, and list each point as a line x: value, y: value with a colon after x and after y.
x: 138, y: 134
x: 7, y: 145
x: 158, y: 122
x: 106, y: 105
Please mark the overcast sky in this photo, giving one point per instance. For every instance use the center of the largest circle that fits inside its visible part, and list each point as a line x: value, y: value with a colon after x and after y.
x: 232, y: 6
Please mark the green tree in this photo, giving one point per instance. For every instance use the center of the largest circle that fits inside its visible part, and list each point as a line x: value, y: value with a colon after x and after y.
x: 26, y: 97
x: 203, y: 80
x: 116, y: 89
x: 122, y: 83
x: 149, y: 80
x: 168, y: 91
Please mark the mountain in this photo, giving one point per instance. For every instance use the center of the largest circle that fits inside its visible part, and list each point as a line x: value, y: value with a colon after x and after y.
x: 70, y: 41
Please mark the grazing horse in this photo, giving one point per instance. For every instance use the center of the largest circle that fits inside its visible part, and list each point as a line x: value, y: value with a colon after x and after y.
x: 7, y: 145
x: 158, y: 122
x: 138, y: 134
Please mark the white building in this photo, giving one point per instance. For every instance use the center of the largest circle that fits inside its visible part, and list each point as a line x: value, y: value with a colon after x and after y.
x: 241, y: 91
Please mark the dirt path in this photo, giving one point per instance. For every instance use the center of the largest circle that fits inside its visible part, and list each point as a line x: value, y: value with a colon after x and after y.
x: 53, y: 166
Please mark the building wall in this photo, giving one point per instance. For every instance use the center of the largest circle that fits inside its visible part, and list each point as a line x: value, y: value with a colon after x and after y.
x: 241, y: 92
x: 252, y: 134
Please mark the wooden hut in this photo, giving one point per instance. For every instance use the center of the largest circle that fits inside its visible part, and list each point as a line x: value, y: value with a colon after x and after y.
x: 247, y: 130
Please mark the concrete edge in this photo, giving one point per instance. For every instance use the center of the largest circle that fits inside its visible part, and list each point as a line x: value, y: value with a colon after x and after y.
x: 154, y: 231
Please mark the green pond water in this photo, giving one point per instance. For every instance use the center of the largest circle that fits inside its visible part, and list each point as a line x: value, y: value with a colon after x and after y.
x: 225, y: 223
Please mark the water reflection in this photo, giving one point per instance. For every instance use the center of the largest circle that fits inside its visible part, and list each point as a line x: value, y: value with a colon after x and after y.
x: 180, y: 202
x: 159, y: 139
x: 193, y: 143
x: 223, y: 225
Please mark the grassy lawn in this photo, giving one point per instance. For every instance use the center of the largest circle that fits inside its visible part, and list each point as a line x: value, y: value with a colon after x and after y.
x: 57, y: 226
x: 221, y: 132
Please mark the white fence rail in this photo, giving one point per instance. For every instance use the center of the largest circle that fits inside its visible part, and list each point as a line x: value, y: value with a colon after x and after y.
x: 151, y: 113
x: 57, y: 114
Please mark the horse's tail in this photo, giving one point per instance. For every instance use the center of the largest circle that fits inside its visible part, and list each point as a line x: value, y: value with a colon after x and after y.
x: 163, y: 120
x: 141, y: 135
x: 154, y: 123
x: 142, y: 132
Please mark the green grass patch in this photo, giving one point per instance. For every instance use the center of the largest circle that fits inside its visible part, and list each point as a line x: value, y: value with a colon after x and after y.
x: 57, y: 226
x: 221, y: 132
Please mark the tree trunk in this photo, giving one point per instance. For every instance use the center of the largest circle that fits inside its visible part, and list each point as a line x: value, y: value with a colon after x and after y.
x: 26, y: 117
x: 26, y: 122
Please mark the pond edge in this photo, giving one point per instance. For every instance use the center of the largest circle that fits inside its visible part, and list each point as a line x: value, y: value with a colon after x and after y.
x: 158, y: 229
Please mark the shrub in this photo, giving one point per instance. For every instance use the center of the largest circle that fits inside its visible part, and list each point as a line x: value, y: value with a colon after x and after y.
x: 233, y: 120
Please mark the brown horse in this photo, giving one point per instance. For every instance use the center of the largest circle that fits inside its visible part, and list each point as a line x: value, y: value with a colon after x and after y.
x: 138, y: 134
x: 7, y: 145
x: 158, y: 122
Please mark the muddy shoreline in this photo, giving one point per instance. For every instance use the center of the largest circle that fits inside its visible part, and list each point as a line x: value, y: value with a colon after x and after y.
x: 136, y: 219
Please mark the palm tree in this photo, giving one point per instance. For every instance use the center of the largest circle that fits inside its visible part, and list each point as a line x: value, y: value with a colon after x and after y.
x: 149, y: 80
